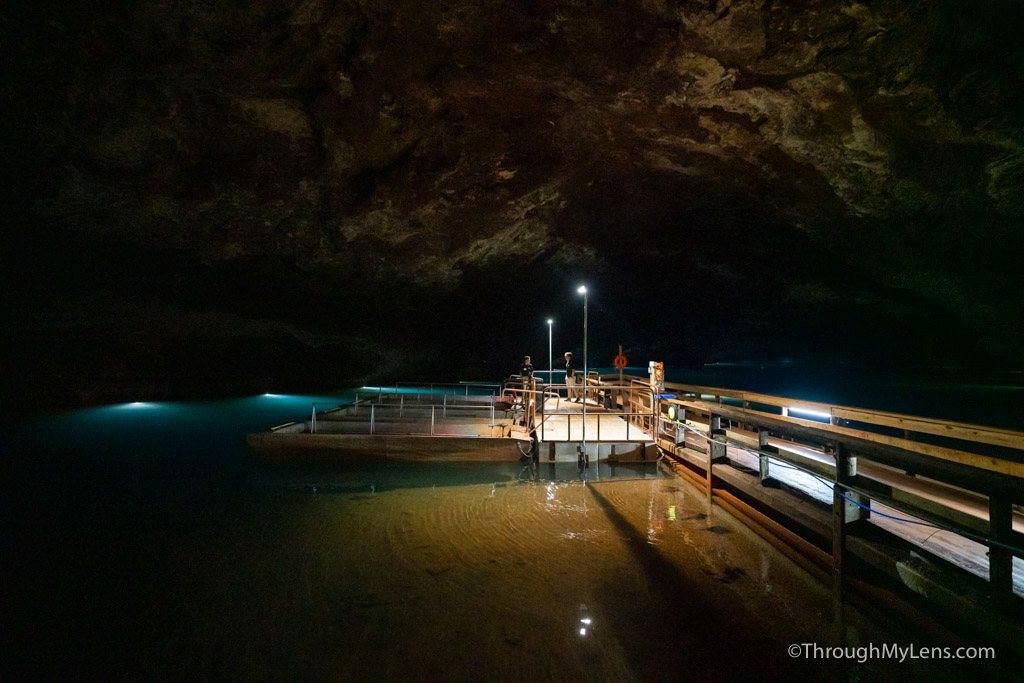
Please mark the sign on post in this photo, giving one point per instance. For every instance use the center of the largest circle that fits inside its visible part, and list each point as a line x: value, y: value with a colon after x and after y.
x: 657, y: 372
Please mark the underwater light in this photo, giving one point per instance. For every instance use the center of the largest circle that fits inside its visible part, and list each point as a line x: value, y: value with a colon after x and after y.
x: 812, y: 413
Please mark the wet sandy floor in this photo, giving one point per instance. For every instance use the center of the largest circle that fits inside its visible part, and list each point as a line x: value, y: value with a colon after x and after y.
x: 499, y: 576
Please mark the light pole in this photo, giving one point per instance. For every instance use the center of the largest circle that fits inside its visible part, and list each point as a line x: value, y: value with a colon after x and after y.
x: 551, y: 367
x: 583, y: 290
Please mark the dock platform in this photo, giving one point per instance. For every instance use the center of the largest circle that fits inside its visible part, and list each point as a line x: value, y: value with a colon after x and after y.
x: 607, y: 434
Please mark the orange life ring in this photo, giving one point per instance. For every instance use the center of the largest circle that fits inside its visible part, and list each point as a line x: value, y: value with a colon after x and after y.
x: 620, y: 361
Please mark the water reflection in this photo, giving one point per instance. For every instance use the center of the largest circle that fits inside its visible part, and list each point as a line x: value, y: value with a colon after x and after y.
x: 585, y: 620
x: 403, y: 571
x: 385, y: 475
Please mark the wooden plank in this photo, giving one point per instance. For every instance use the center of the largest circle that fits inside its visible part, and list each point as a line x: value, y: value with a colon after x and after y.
x: 955, y: 430
x: 991, y: 464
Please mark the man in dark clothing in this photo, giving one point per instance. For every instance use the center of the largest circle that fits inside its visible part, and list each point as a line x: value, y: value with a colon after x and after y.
x: 570, y: 376
x: 526, y: 375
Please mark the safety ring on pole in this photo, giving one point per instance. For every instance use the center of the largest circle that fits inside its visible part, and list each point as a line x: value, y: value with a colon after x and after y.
x: 620, y: 361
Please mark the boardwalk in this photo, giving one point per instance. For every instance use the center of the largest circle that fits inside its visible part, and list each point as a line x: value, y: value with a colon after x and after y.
x: 563, y: 421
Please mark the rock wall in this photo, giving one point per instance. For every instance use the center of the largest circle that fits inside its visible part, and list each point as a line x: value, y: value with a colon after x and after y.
x: 828, y: 177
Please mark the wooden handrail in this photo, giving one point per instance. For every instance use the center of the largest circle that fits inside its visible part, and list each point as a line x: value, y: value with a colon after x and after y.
x: 924, y: 425
x: 995, y: 436
x: 985, y: 462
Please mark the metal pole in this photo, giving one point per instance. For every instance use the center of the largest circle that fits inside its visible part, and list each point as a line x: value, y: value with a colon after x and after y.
x: 372, y: 407
x: 585, y: 298
x: 313, y: 425
x: 432, y: 408
x: 551, y: 366
x: 620, y: 369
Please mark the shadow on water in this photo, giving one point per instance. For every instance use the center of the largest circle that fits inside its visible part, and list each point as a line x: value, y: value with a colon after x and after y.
x: 683, y: 627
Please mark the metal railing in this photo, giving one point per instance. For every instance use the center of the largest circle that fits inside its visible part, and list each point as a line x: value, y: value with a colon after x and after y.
x: 378, y: 412
x: 647, y: 415
x: 465, y: 386
x: 595, y: 417
x: 383, y: 404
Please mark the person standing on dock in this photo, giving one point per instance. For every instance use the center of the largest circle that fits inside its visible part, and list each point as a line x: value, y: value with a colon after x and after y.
x: 526, y: 372
x: 570, y: 377
x: 526, y: 375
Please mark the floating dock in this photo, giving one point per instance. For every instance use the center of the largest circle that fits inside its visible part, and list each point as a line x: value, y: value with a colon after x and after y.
x: 452, y: 423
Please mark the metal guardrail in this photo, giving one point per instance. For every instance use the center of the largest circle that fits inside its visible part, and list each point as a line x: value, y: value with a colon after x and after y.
x: 466, y: 386
x: 598, y: 417
x: 382, y: 392
x: 435, y: 410
x: 553, y: 391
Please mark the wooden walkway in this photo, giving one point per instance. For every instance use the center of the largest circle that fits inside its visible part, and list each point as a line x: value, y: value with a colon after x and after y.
x: 958, y: 550
x: 563, y: 421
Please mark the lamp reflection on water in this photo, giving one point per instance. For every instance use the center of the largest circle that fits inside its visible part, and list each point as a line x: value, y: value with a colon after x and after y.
x: 584, y: 619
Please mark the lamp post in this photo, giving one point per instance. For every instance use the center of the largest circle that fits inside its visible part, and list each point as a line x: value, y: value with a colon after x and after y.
x: 583, y: 290
x: 551, y: 367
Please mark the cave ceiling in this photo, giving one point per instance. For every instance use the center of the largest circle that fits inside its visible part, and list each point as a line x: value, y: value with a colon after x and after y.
x: 394, y: 181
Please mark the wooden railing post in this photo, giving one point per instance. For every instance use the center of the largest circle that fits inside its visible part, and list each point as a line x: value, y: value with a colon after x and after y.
x: 1000, y: 560
x: 716, y: 448
x: 764, y: 447
x: 681, y: 425
x: 847, y: 508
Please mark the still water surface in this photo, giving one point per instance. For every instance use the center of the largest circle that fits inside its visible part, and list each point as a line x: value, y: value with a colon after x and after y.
x: 142, y: 541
